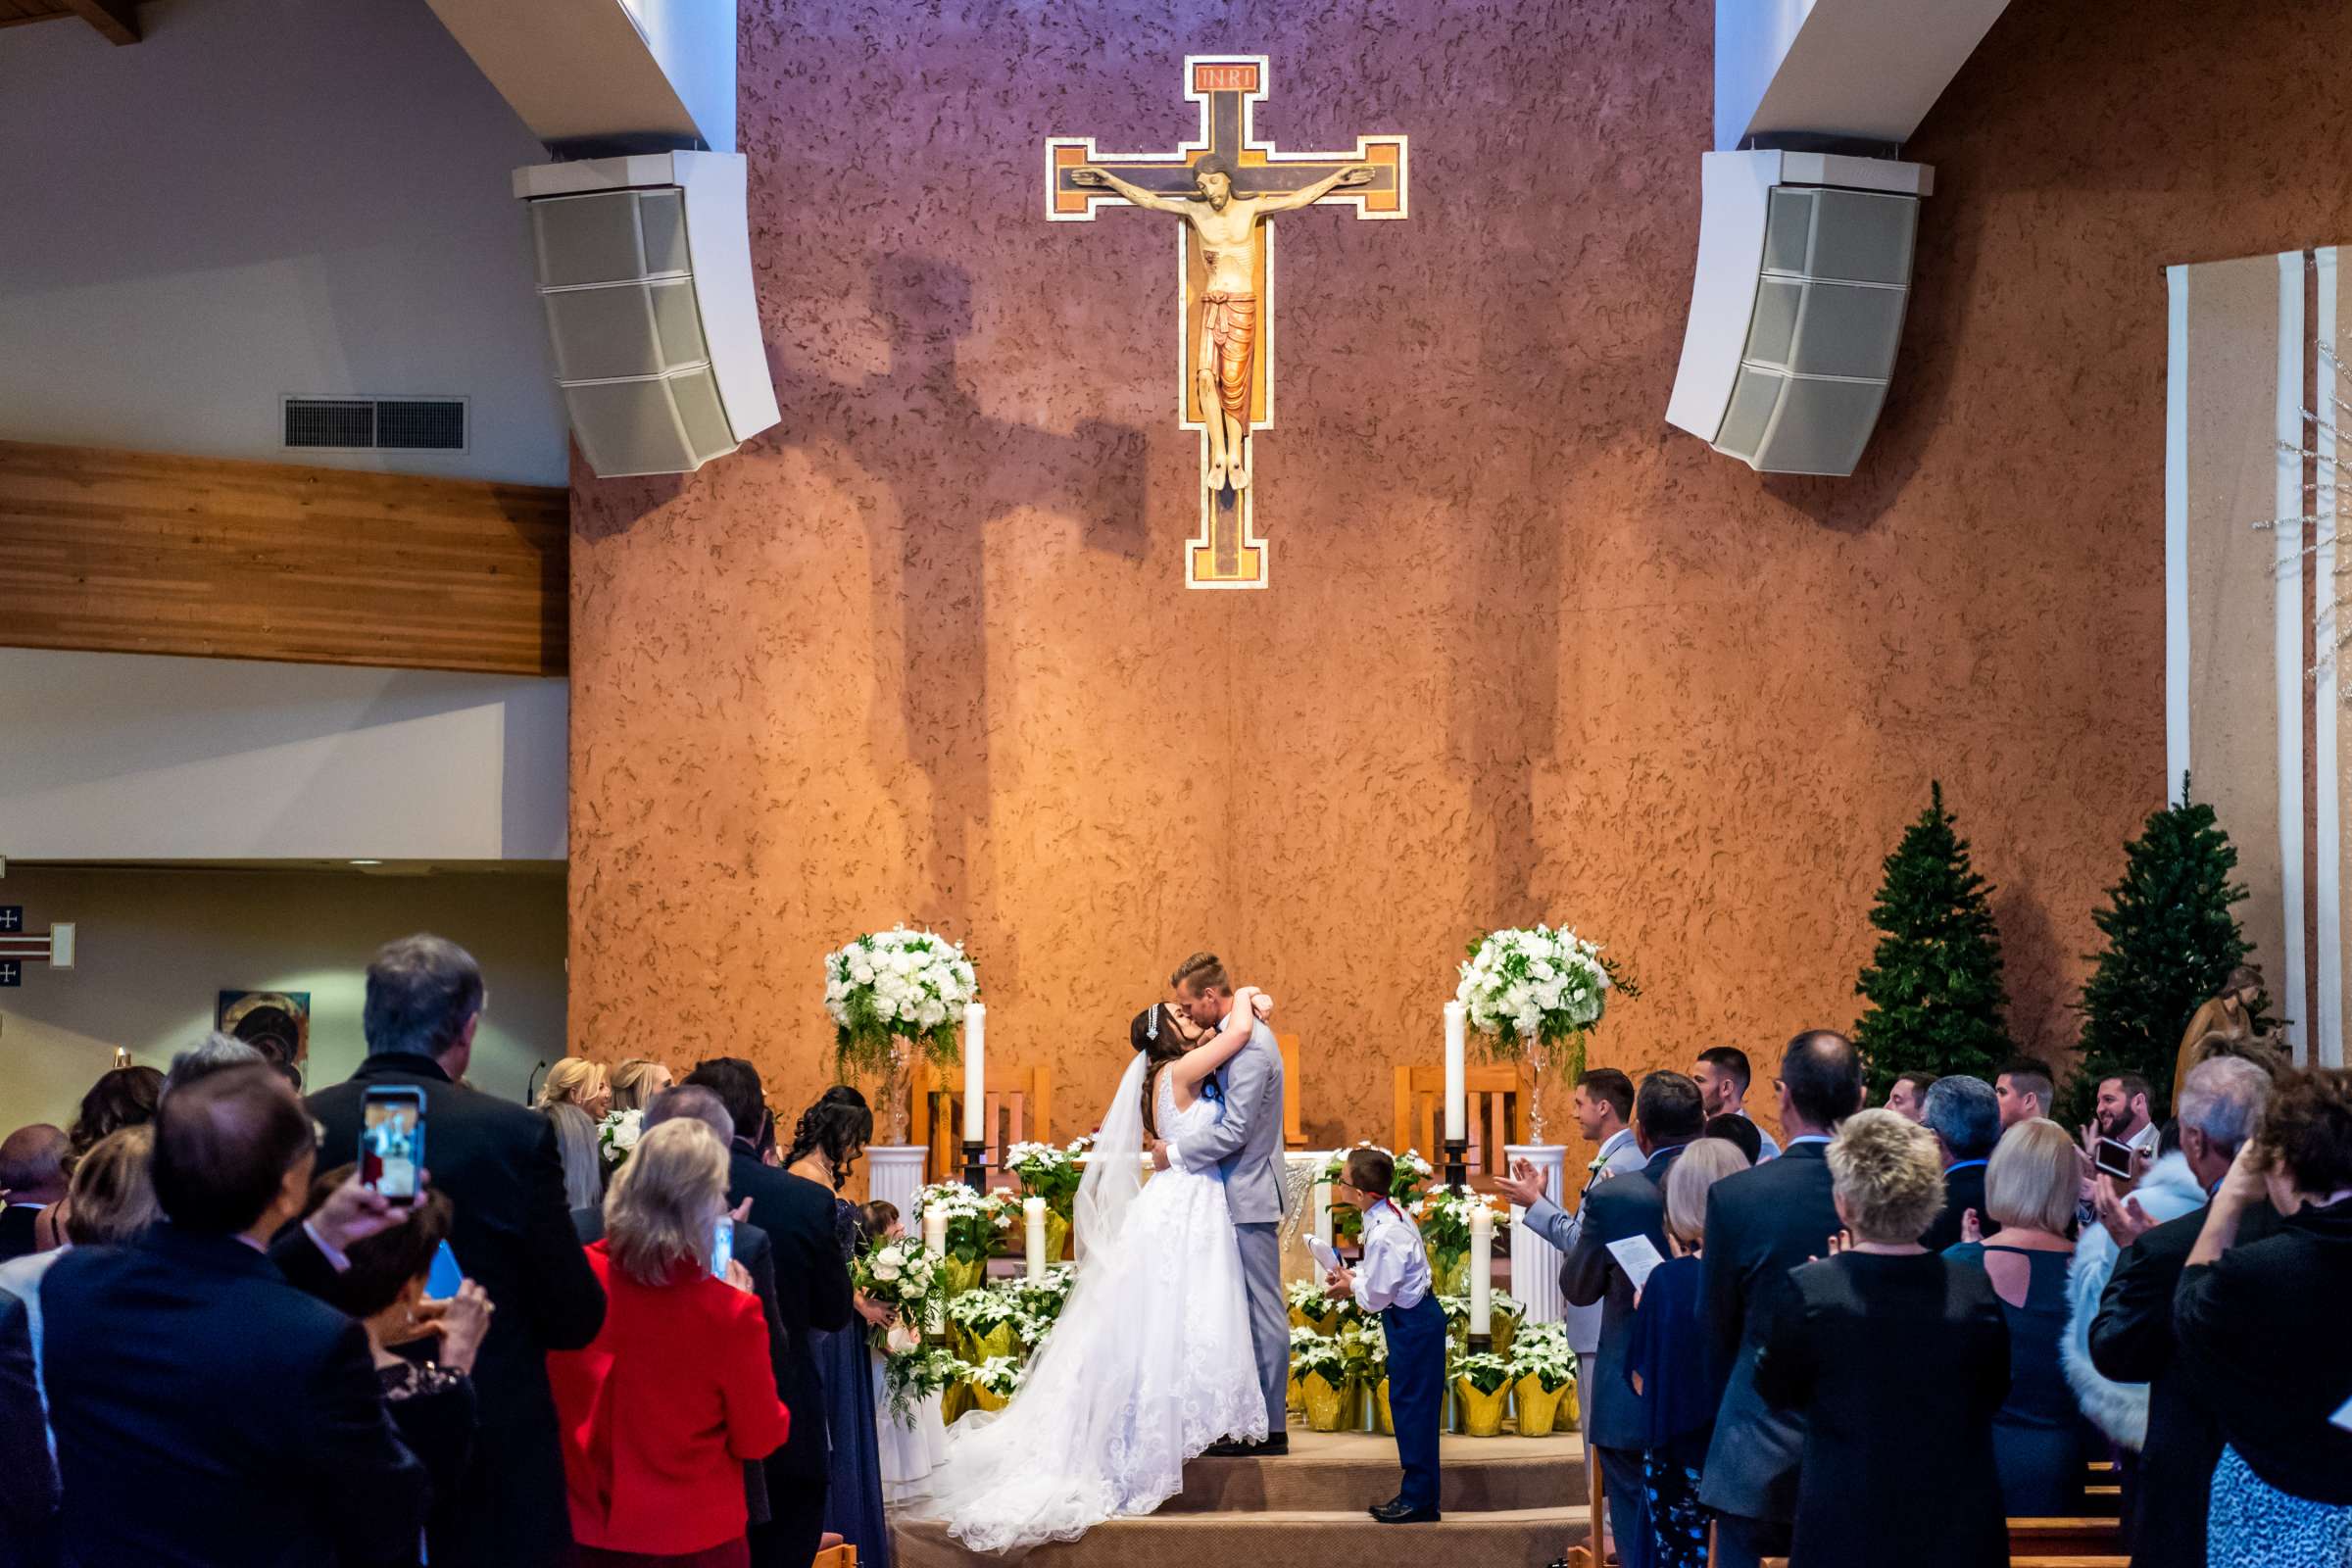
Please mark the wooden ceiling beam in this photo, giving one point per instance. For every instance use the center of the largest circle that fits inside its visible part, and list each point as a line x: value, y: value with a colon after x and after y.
x: 117, y: 20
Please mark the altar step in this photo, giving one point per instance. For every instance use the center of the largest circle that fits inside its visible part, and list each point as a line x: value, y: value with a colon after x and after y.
x: 1509, y: 1502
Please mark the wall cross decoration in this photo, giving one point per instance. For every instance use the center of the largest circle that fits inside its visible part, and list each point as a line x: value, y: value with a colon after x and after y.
x: 20, y: 947
x: 1224, y: 186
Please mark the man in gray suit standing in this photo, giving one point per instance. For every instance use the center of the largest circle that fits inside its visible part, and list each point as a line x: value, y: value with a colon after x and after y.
x: 1245, y: 1147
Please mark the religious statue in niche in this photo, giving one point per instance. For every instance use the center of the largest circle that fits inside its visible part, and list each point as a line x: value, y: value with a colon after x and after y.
x: 1223, y: 188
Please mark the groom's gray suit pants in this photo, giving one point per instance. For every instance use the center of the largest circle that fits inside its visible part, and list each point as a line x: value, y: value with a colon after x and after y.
x: 1269, y: 1319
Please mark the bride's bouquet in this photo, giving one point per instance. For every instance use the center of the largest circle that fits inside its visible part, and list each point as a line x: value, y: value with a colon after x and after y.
x: 897, y: 984
x: 913, y: 1375
x: 898, y: 1272
x: 616, y: 1134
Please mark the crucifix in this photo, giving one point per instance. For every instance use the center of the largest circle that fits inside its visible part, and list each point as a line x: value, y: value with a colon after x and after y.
x: 1224, y: 187
x: 20, y: 947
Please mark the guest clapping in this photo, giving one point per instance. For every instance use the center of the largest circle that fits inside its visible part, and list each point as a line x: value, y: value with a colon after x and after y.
x: 2039, y: 1436
x: 2261, y: 1330
x: 1666, y: 1361
x: 1896, y: 1469
x: 677, y: 1389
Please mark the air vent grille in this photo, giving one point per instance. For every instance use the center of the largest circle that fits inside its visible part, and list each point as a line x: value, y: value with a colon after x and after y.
x: 408, y: 425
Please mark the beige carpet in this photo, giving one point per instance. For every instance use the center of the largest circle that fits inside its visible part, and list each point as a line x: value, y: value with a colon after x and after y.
x: 1509, y: 1502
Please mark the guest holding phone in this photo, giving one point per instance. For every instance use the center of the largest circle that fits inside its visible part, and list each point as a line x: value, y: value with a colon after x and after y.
x: 431, y: 1397
x: 676, y: 1390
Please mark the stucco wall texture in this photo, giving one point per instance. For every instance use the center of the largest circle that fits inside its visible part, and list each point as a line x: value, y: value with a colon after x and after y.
x: 923, y: 653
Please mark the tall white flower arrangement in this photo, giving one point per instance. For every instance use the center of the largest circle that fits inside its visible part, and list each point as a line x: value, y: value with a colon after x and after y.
x: 893, y: 984
x: 1535, y: 992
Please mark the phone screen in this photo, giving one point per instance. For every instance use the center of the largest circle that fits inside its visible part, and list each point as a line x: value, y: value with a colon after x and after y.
x: 2114, y: 1158
x: 722, y: 1246
x: 392, y: 1144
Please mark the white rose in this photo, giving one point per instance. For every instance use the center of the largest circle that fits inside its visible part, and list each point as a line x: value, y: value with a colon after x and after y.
x: 886, y: 1268
x: 861, y: 971
x: 902, y: 1339
x: 931, y: 1015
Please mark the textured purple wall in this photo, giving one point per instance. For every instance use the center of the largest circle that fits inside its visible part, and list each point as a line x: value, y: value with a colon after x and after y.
x: 923, y: 651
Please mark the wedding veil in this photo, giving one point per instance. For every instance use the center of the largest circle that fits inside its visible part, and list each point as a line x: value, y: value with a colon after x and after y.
x: 1115, y: 1171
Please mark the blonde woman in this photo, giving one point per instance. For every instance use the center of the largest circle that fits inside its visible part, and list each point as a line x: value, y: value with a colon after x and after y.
x: 663, y: 1409
x: 1666, y: 1361
x: 1896, y: 1468
x: 635, y: 1083
x: 2041, y: 1438
x: 575, y: 1097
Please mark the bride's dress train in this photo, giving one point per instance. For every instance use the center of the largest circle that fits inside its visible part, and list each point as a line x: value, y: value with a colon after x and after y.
x: 1148, y: 1364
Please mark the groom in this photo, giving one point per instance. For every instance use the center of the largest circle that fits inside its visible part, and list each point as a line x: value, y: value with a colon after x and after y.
x: 1246, y: 1146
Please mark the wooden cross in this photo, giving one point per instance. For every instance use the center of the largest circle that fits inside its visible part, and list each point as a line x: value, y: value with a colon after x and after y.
x: 20, y: 947
x: 1227, y: 552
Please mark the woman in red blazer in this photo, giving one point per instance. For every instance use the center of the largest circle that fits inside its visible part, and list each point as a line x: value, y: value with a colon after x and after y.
x: 664, y: 1405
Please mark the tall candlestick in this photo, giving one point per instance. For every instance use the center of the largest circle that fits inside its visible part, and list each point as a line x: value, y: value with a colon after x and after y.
x: 1323, y: 1212
x: 1457, y: 1101
x: 1481, y: 1270
x: 1033, y: 1212
x: 975, y: 1073
x: 935, y: 1232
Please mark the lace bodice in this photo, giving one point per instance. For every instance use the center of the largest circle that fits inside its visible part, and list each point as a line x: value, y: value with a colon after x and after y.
x: 1173, y: 1123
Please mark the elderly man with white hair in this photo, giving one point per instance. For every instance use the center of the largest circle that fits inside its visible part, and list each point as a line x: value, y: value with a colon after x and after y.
x: 2120, y: 1354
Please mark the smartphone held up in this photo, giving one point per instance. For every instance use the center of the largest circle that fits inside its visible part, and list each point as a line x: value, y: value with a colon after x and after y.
x: 392, y: 1142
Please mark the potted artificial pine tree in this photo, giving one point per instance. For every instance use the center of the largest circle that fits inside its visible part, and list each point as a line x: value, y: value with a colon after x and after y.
x: 1935, y: 982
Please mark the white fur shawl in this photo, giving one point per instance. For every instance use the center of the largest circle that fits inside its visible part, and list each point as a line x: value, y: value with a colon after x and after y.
x: 2119, y: 1409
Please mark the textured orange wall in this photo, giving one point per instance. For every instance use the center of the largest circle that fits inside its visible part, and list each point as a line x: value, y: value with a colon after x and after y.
x: 923, y: 651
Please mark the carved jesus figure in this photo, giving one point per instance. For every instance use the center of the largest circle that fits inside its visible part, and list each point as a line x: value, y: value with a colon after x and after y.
x: 1227, y: 225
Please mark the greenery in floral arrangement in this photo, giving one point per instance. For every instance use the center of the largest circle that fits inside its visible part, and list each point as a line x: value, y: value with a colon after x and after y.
x: 1412, y: 1172
x: 898, y: 1272
x: 1048, y: 1172
x: 893, y: 984
x: 910, y: 1377
x: 1486, y: 1372
x: 1539, y: 988
x: 1545, y: 1358
x: 999, y: 1375
x: 1318, y: 1354
x: 1500, y: 1304
x: 984, y: 1310
x: 1040, y: 1302
x: 976, y: 1225
x: 1445, y: 1220
x: 1364, y: 1350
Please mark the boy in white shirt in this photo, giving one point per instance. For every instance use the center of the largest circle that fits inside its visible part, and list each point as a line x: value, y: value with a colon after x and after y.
x: 1392, y: 1280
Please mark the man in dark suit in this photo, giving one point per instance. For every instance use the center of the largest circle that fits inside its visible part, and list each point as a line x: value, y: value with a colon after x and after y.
x: 206, y: 1411
x: 32, y: 1175
x: 812, y: 1292
x: 513, y: 1236
x: 1965, y: 1116
x: 2132, y: 1337
x: 752, y: 1248
x: 1668, y: 1112
x: 1761, y: 1223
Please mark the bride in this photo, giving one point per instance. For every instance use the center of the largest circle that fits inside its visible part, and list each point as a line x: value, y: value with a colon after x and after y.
x: 1151, y: 1359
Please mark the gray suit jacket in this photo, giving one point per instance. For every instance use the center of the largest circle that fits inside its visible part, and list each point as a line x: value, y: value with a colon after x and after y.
x: 1559, y: 1227
x: 1247, y: 1142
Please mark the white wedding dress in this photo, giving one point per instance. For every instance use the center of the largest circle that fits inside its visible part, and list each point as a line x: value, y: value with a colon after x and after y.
x: 1149, y: 1362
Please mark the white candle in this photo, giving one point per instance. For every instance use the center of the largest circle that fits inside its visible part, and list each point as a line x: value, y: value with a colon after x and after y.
x: 1323, y: 1212
x: 1481, y: 1270
x: 1457, y: 1101
x: 1033, y: 1210
x: 975, y: 1073
x: 935, y: 1232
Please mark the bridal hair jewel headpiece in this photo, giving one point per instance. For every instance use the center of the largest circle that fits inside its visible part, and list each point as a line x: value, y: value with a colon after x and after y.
x: 1151, y: 1031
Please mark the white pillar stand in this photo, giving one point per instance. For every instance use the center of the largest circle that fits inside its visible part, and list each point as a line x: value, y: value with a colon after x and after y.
x: 1535, y: 1261
x: 895, y: 1174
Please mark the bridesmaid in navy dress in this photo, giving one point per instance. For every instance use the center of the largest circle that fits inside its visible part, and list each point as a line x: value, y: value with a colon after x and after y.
x: 831, y: 1134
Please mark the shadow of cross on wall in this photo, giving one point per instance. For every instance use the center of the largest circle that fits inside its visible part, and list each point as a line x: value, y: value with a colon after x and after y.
x: 950, y: 469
